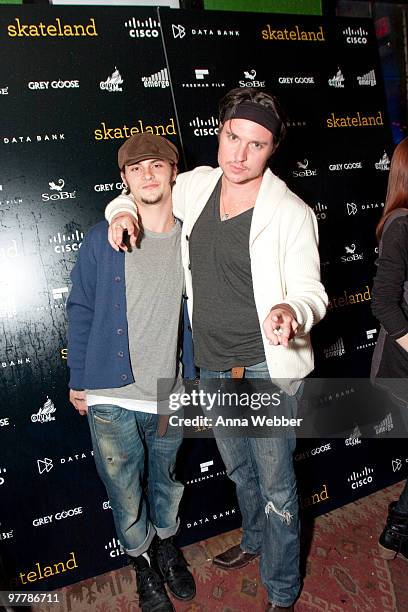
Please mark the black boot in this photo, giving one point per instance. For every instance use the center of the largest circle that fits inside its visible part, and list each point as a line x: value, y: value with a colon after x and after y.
x: 150, y: 588
x: 394, y: 539
x: 169, y: 563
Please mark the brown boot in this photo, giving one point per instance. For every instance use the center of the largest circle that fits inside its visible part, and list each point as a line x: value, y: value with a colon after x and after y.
x: 233, y: 558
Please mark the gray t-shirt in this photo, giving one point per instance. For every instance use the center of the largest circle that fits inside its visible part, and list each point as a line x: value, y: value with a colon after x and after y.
x: 154, y: 288
x: 226, y: 330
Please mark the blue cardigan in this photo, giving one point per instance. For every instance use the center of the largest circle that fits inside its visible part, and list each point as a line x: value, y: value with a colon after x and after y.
x: 98, y: 343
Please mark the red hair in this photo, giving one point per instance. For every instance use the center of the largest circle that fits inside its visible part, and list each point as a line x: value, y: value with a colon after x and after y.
x: 397, y: 190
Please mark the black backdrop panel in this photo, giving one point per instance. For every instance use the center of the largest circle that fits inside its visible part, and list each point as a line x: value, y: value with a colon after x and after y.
x: 74, y: 83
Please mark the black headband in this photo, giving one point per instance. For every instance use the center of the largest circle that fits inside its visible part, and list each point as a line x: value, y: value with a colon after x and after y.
x: 258, y: 114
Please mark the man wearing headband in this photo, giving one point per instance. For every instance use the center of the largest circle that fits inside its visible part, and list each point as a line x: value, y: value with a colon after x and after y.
x: 116, y: 355
x: 251, y: 262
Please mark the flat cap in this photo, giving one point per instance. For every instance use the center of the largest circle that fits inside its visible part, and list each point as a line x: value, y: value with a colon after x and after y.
x: 146, y: 146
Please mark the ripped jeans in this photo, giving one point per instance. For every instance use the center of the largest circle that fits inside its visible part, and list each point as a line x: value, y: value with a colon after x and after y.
x: 262, y: 470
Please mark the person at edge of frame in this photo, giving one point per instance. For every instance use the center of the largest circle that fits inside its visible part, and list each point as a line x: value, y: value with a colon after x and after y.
x: 251, y: 261
x: 125, y: 313
x: 390, y: 307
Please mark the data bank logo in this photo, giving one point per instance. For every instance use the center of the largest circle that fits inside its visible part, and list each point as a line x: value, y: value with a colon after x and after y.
x: 113, y: 82
x: 157, y: 79
x: 357, y: 480
x: 179, y: 31
x: 45, y: 465
x: 354, y: 208
x: 143, y: 29
x: 355, y: 36
x: 13, y: 139
x: 204, y: 127
x: 369, y: 340
x: 58, y: 192
x: 67, y: 242
x: 249, y: 79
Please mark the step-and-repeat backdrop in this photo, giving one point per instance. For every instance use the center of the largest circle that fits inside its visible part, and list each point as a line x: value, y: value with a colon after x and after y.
x: 76, y: 82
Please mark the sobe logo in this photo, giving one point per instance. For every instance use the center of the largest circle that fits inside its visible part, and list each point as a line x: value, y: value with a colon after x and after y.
x: 351, y: 254
x: 303, y: 169
x: 361, y: 479
x: 206, y: 127
x: 249, y: 80
x: 142, y: 29
x: 59, y: 193
x: 66, y: 243
x: 113, y: 82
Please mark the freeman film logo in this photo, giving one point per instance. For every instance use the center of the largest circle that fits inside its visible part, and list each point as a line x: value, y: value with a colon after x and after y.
x: 250, y: 79
x: 142, y: 29
x: 370, y: 333
x: 113, y: 82
x: 204, y: 467
x: 66, y: 243
x: 157, y: 79
x: 202, y: 79
x: 384, y: 163
x: 337, y: 80
x: 57, y: 187
x: 45, y: 413
x: 179, y: 31
x: 361, y: 479
x: 355, y: 36
x: 207, y: 127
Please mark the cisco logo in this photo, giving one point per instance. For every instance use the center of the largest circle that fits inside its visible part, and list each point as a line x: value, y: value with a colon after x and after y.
x: 142, y: 29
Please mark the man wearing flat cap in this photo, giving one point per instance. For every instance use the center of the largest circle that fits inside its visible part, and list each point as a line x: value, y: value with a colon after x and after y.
x: 250, y: 257
x: 124, y: 314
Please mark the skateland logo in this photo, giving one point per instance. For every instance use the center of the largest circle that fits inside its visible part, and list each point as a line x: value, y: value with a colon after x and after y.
x: 294, y: 34
x: 157, y: 79
x: 343, y: 166
x: 349, y: 299
x: 202, y: 79
x: 361, y: 479
x: 39, y: 573
x: 58, y: 516
x: 19, y: 139
x: 60, y: 84
x: 113, y: 82
x: 180, y: 31
x: 124, y: 131
x: 367, y: 79
x: 4, y: 91
x: 354, y: 208
x: 303, y: 169
x: 142, y: 29
x: 355, y: 36
x: 338, y: 80
x: 249, y: 80
x: 59, y: 29
x: 66, y: 243
x: 384, y: 163
x: 207, y: 127
x: 57, y: 187
x: 351, y: 254
x: 44, y: 415
x: 356, y: 120
x: 314, y: 498
x: 296, y: 80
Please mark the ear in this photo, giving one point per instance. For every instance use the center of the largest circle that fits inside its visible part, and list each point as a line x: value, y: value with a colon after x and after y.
x: 174, y: 172
x: 122, y: 174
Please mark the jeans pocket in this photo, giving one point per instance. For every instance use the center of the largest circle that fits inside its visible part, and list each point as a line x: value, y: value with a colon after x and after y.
x: 106, y: 413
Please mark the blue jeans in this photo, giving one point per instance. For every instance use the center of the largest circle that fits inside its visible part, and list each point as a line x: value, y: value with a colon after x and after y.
x: 126, y: 446
x: 262, y: 470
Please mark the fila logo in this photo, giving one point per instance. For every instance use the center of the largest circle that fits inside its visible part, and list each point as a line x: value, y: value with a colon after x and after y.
x: 178, y: 31
x: 204, y: 466
x: 44, y: 465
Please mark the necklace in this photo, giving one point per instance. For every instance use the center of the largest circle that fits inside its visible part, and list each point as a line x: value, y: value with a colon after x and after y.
x: 233, y: 209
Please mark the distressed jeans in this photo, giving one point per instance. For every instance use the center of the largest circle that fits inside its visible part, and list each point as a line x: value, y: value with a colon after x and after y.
x: 262, y: 470
x: 128, y: 454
